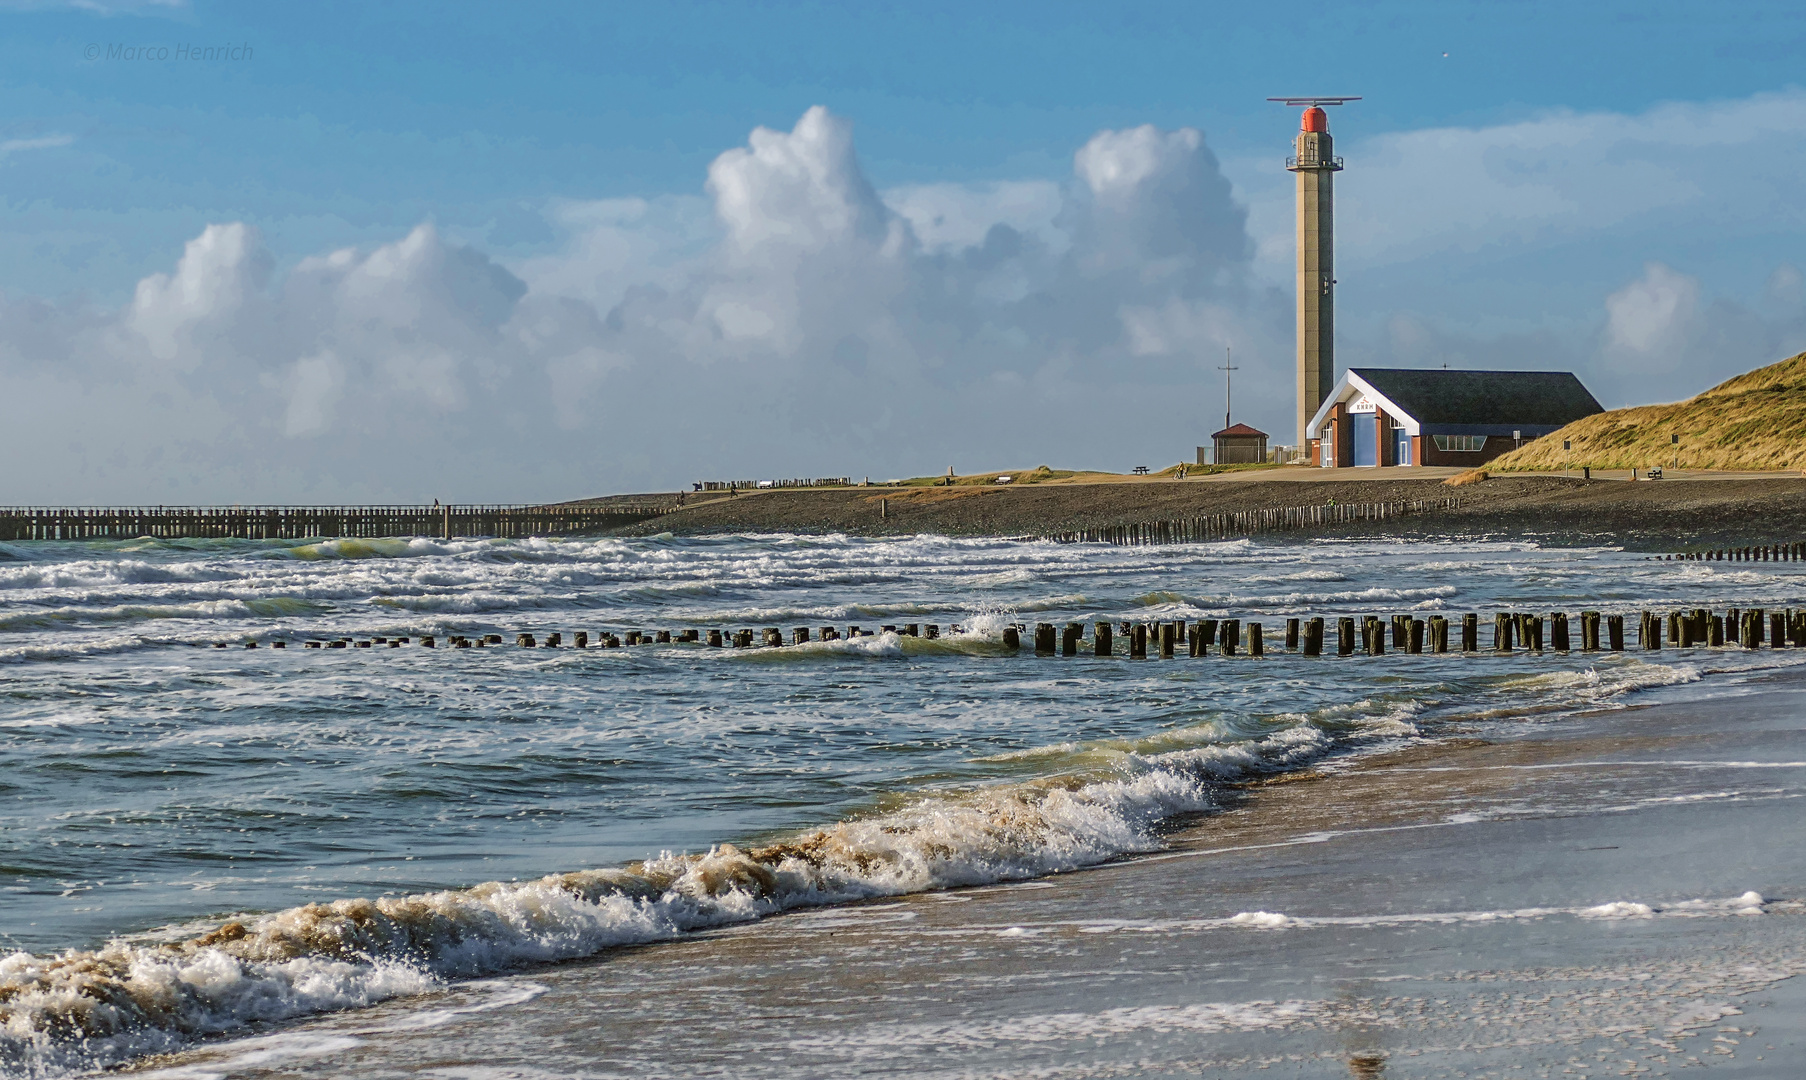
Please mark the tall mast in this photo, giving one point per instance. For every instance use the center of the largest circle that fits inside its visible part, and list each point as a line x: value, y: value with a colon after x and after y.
x: 1315, y: 163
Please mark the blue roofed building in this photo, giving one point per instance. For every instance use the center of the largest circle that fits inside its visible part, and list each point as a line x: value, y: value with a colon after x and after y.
x: 1435, y: 416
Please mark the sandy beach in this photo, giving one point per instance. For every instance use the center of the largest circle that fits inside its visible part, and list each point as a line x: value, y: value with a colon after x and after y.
x: 1611, y: 894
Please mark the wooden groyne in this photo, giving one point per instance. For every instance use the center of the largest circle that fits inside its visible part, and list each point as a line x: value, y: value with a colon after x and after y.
x: 1364, y: 635
x: 309, y: 522
x: 1245, y: 522
x: 1793, y: 552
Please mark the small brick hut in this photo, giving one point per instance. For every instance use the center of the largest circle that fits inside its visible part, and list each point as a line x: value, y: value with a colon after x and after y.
x: 1238, y: 444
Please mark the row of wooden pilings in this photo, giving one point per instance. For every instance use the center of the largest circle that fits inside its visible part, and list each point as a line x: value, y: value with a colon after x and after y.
x: 771, y: 637
x: 312, y: 522
x: 1511, y: 631
x: 1750, y: 628
x: 1793, y: 552
x: 1242, y: 522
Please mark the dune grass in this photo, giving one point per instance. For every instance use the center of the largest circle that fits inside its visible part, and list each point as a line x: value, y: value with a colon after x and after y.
x: 1754, y: 421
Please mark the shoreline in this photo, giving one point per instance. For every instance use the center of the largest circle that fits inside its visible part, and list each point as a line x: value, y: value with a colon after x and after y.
x: 1408, y: 910
x: 1564, y: 511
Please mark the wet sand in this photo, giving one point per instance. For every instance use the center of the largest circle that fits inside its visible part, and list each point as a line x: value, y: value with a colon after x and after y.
x: 1464, y: 909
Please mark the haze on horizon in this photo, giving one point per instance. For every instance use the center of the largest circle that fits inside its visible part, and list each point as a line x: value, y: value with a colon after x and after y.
x: 480, y: 254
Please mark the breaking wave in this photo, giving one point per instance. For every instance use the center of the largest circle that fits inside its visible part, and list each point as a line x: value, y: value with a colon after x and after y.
x: 91, y: 1009
x: 1089, y: 803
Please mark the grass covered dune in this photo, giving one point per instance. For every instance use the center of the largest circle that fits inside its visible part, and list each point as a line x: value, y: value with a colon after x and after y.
x: 1754, y: 421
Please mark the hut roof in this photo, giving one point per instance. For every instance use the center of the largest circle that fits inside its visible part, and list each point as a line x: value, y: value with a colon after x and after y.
x: 1240, y: 429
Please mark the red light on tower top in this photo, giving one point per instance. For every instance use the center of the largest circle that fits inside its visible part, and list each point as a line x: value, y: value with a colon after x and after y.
x: 1315, y: 119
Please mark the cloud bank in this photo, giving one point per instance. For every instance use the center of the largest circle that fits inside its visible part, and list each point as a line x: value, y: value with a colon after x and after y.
x: 803, y: 325
x: 793, y: 320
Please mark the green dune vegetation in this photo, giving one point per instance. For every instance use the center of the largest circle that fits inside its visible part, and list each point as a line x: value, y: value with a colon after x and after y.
x: 1754, y: 421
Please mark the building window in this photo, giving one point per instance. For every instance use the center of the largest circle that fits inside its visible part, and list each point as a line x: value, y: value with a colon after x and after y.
x: 1461, y: 444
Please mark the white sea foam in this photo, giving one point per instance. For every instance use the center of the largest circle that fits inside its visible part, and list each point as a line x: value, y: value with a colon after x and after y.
x: 1748, y: 904
x: 1618, y: 909
x: 130, y: 998
x: 1262, y: 920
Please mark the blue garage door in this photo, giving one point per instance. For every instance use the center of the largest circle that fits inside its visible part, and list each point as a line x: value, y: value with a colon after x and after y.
x: 1364, y: 436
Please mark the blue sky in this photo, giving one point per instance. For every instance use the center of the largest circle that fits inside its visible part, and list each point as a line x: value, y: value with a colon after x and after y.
x: 392, y: 232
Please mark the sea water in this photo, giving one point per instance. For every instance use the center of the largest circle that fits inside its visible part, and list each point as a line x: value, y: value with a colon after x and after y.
x: 195, y: 839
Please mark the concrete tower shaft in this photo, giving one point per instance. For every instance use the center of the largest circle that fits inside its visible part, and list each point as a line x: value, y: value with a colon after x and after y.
x: 1315, y: 163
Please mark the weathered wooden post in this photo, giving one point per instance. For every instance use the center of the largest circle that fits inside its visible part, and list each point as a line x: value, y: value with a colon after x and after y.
x: 524, y: 641
x: 1589, y: 631
x: 1470, y: 632
x: 1069, y: 641
x: 1194, y: 640
x: 714, y: 638
x: 911, y: 630
x: 1439, y: 633
x: 1401, y: 631
x: 1012, y: 638
x: 799, y: 635
x: 1229, y: 635
x: 580, y: 639
x: 1100, y: 638
x: 1208, y: 636
x: 1501, y: 632
x: 1255, y: 647
x: 1138, y: 641
x: 1292, y: 635
x: 1313, y: 636
x: 663, y: 637
x: 1168, y: 632
x: 1559, y: 630
x: 427, y: 642
x: 1535, y: 626
x: 1777, y: 627
x: 1757, y: 623
x: 934, y: 630
x: 1044, y: 639
x: 1414, y: 638
x: 1376, y: 636
x: 1614, y: 632
x: 1345, y: 634
x: 554, y: 640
